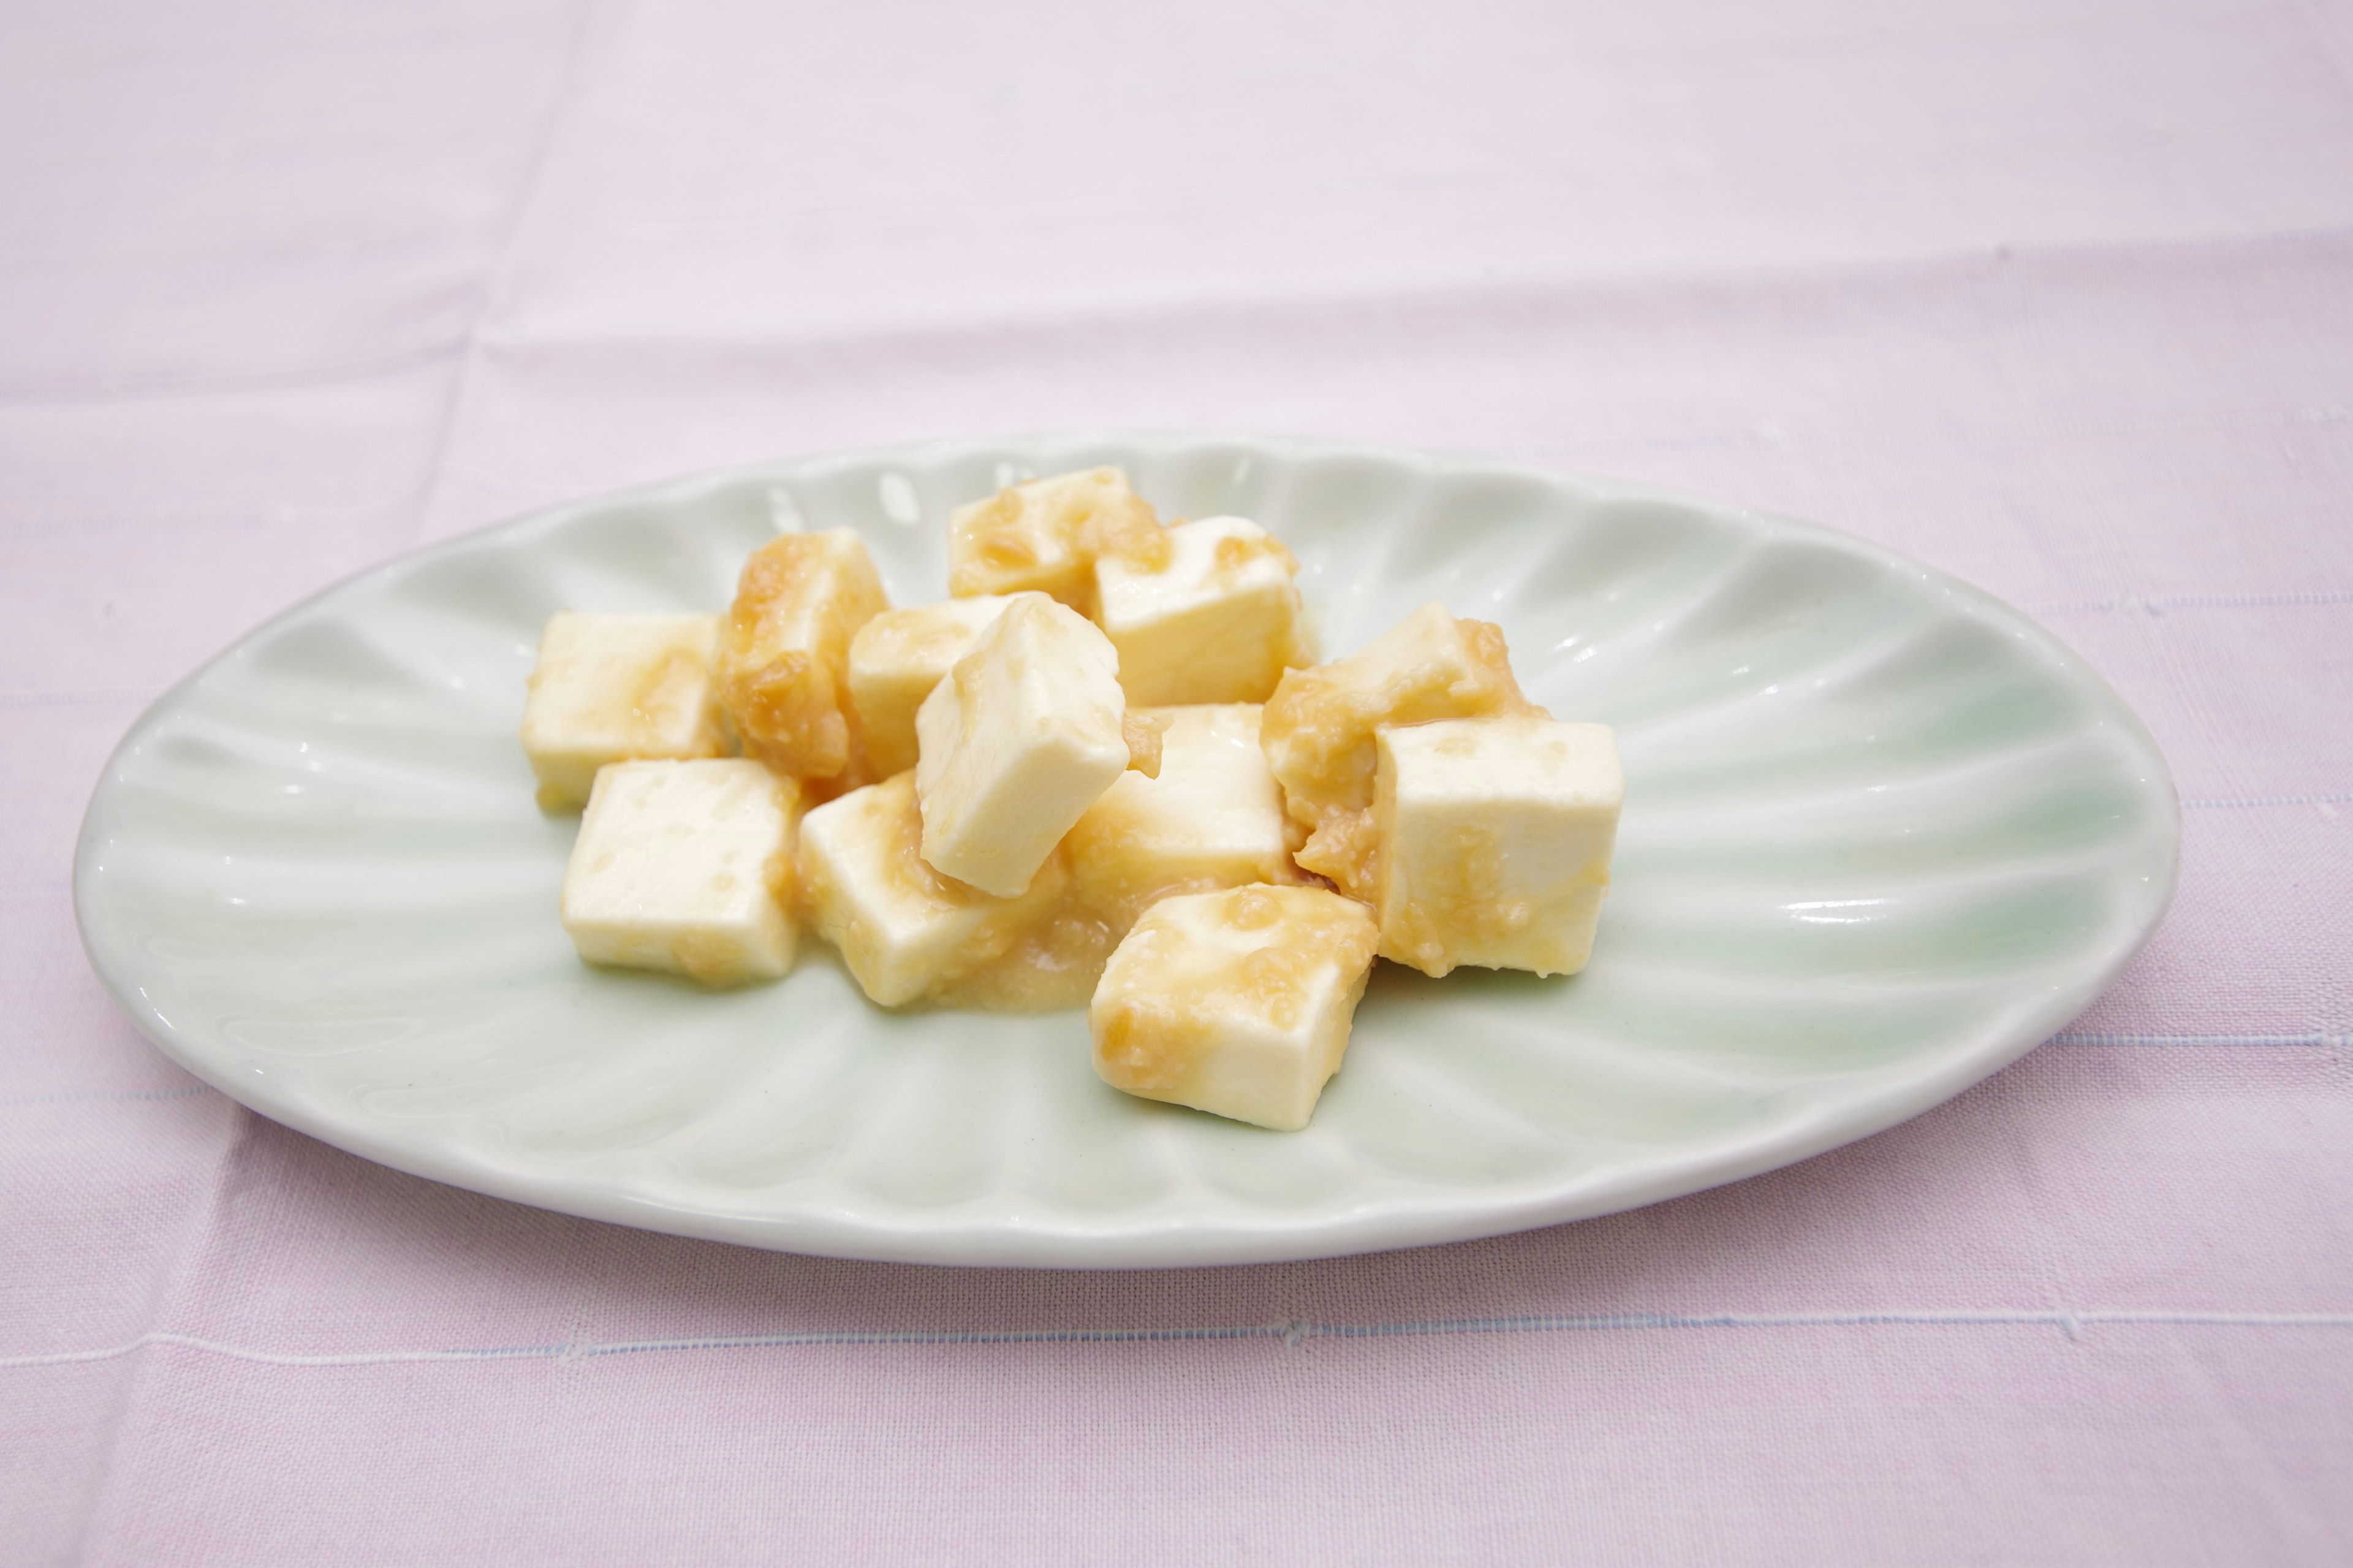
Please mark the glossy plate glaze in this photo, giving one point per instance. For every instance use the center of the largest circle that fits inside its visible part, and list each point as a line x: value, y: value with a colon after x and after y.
x: 1883, y: 834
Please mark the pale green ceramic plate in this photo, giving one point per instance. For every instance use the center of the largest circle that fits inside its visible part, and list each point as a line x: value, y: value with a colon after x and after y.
x: 1882, y: 835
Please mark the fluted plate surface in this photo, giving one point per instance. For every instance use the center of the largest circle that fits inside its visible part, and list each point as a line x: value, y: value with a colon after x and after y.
x: 1883, y: 834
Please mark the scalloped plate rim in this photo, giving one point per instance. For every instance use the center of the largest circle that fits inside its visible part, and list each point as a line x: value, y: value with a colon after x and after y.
x: 1387, y: 1224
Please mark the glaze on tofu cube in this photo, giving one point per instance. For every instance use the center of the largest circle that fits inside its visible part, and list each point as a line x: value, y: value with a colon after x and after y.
x: 686, y: 866
x: 1045, y: 536
x: 1218, y: 621
x: 610, y: 688
x: 1212, y: 819
x: 895, y: 660
x: 783, y: 656
x: 908, y: 933
x: 1493, y: 841
x: 1024, y: 734
x: 1319, y: 726
x: 1236, y: 1002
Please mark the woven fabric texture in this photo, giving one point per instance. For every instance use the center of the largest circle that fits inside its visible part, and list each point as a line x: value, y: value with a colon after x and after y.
x: 2057, y: 296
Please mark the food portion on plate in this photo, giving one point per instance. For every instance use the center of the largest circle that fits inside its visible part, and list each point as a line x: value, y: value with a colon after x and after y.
x: 686, y: 866
x: 617, y: 689
x: 1105, y: 771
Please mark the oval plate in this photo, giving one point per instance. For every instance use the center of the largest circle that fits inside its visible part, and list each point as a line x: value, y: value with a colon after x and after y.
x: 1883, y: 834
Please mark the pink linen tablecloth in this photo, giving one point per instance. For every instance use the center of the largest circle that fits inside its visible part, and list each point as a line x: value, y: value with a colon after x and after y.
x: 2056, y: 294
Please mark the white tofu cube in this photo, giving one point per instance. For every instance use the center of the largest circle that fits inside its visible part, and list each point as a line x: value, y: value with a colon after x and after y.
x: 895, y: 660
x: 686, y: 866
x: 1045, y: 536
x: 1218, y: 621
x: 784, y: 655
x: 1212, y: 819
x: 610, y: 688
x: 1493, y: 840
x: 1236, y: 1002
x: 907, y: 932
x: 1024, y: 734
x: 1319, y: 726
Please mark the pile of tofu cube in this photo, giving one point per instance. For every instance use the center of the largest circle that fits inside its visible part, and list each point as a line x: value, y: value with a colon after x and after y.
x: 1106, y: 770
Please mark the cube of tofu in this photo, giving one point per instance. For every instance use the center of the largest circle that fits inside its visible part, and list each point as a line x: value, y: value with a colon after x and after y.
x: 1218, y: 621
x: 1046, y: 535
x: 907, y: 932
x: 1493, y: 838
x: 784, y: 655
x: 1024, y: 734
x: 1236, y: 1002
x: 686, y: 866
x: 1211, y: 820
x: 610, y: 688
x: 1319, y: 726
x: 895, y: 660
